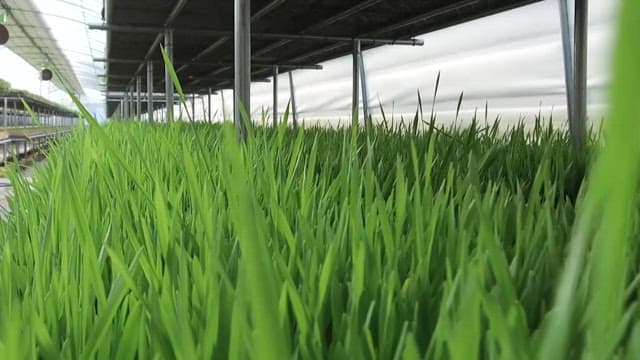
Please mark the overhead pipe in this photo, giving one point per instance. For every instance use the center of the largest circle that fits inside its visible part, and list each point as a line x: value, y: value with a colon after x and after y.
x: 214, y: 63
x: 262, y: 36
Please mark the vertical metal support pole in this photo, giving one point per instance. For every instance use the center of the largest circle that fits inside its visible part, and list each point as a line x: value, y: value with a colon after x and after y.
x: 224, y: 107
x: 127, y: 111
x: 5, y: 112
x: 567, y: 50
x: 168, y: 47
x: 150, y: 91
x: 209, y: 106
x: 124, y: 107
x: 242, y: 49
x: 193, y: 107
x: 132, y: 103
x: 139, y: 98
x: 580, y: 70
x: 275, y: 95
x: 365, y: 90
x: 356, y: 84
x: 128, y: 105
x: 294, y: 106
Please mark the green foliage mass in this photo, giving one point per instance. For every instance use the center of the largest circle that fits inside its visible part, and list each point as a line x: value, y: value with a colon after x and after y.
x: 175, y: 241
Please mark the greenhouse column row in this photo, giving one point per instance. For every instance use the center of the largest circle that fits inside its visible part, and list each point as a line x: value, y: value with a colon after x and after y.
x: 14, y: 114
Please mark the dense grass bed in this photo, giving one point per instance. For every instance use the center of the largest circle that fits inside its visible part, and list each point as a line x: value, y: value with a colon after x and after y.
x: 174, y: 241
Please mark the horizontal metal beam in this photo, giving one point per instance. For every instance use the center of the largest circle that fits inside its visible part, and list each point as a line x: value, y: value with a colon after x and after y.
x: 394, y: 27
x: 274, y: 4
x: 211, y: 63
x: 213, y: 78
x: 456, y: 6
x: 175, y: 11
x: 316, y: 28
x: 262, y: 36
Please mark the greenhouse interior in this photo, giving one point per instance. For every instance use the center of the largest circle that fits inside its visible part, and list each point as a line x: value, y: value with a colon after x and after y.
x: 319, y: 179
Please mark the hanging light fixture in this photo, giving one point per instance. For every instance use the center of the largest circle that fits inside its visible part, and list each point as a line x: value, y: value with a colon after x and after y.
x: 46, y: 74
x: 4, y: 34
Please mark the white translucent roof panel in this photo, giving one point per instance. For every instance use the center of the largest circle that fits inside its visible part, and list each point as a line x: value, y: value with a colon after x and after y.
x: 68, y: 20
x: 33, y: 40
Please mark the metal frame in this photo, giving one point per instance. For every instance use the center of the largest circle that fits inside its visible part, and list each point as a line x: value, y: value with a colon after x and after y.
x: 132, y: 108
x: 161, y: 33
x: 581, y: 46
x: 294, y: 106
x: 193, y: 106
x: 365, y: 89
x: 125, y: 114
x: 139, y: 98
x: 357, y: 47
x: 260, y: 14
x: 323, y: 24
x: 258, y: 36
x: 275, y: 95
x: 212, y: 63
x: 224, y: 108
x: 36, y: 141
x: 209, y: 107
x: 12, y: 115
x: 150, y: 106
x: 5, y: 111
x: 168, y: 82
x: 575, y: 67
x: 242, y: 52
x: 242, y: 47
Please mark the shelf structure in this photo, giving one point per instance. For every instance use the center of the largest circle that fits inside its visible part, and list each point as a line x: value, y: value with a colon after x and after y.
x: 14, y: 113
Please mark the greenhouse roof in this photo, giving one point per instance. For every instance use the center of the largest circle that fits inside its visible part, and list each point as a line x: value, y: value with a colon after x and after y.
x: 203, y: 33
x: 35, y: 43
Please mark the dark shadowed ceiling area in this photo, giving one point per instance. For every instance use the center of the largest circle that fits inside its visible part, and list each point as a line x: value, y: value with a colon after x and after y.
x: 203, y: 38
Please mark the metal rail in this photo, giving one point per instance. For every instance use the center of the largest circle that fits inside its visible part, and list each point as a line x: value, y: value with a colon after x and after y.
x: 261, y: 36
x: 212, y: 63
x: 36, y: 141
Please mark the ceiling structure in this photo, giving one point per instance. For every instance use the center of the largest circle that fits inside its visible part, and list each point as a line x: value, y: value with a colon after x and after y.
x: 284, y: 32
x: 34, y: 42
